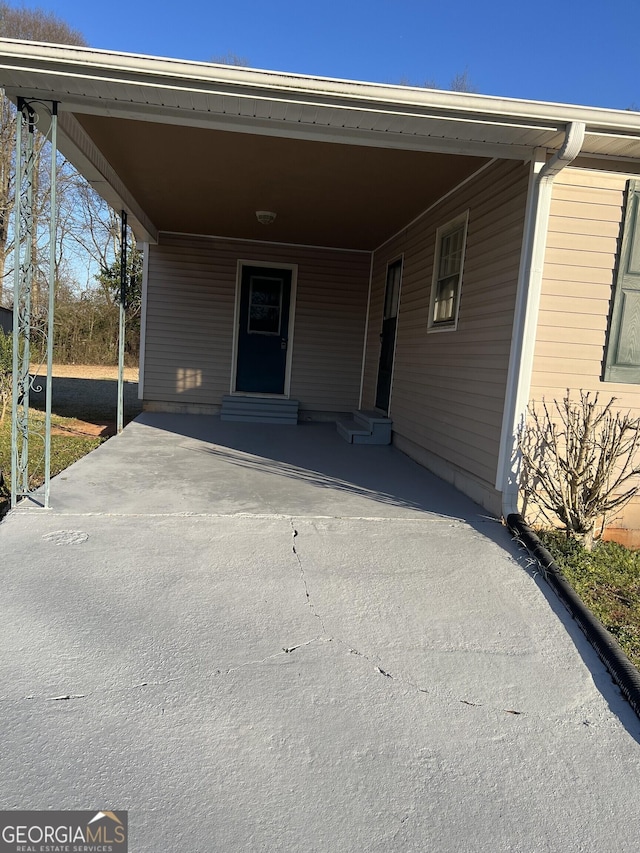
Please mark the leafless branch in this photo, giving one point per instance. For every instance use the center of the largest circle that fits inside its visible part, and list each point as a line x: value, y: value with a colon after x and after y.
x: 578, y: 461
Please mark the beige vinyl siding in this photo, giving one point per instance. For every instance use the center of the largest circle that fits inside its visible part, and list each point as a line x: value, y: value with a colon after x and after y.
x: 449, y: 386
x: 578, y: 279
x: 190, y: 316
x: 331, y: 311
x: 189, y: 332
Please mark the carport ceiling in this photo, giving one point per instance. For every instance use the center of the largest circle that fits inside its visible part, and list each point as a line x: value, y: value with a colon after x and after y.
x: 205, y: 181
x: 198, y: 147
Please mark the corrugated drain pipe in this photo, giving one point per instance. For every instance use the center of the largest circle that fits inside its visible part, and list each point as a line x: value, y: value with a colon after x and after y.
x: 623, y: 672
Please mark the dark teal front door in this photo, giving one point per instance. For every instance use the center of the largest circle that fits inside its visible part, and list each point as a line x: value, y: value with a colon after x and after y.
x: 263, y: 333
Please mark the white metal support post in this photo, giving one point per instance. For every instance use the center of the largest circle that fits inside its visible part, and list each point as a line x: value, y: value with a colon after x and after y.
x: 31, y: 324
x: 122, y: 327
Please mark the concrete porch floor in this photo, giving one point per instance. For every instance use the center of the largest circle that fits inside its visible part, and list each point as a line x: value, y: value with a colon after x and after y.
x: 263, y: 638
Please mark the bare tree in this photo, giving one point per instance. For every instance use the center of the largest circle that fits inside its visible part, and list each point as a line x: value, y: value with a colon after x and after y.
x: 6, y: 366
x: 36, y: 25
x: 578, y: 462
x: 460, y: 82
x: 88, y: 228
x: 230, y: 58
x: 7, y: 180
x: 32, y: 25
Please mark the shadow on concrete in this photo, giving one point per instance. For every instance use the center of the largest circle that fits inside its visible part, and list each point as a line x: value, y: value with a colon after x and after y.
x: 86, y: 398
x: 313, y: 454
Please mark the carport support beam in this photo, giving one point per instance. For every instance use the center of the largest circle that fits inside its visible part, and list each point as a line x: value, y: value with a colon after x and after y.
x: 121, y: 327
x: 25, y: 324
x: 525, y: 319
x: 53, y: 221
x: 18, y: 389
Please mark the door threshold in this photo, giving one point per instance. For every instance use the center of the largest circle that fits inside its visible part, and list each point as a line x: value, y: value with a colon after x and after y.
x: 262, y: 394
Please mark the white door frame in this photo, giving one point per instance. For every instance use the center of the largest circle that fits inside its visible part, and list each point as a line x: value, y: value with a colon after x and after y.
x: 293, y: 268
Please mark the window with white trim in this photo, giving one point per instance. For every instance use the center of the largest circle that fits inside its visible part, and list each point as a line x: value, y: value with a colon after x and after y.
x: 622, y: 356
x: 447, y: 274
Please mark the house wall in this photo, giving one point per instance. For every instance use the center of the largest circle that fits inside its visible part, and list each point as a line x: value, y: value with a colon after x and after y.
x: 6, y: 320
x: 190, y: 317
x: 578, y: 280
x: 449, y: 387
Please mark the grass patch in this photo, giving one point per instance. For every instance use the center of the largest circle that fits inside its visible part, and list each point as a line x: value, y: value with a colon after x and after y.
x: 607, y: 580
x: 66, y: 448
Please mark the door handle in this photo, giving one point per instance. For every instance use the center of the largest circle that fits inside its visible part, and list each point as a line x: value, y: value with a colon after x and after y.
x: 283, y: 343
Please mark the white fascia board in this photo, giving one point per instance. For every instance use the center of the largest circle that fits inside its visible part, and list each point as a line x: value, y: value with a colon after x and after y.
x: 150, y: 70
x: 316, y: 132
x: 116, y: 99
x: 606, y: 165
x: 179, y: 75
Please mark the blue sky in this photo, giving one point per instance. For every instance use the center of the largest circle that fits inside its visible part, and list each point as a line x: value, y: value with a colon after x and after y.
x: 579, y: 51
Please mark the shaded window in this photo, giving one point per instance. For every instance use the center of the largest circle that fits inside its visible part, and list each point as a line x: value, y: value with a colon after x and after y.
x: 447, y: 273
x: 622, y: 356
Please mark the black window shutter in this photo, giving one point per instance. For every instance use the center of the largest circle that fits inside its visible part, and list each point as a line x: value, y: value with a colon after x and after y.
x: 622, y: 359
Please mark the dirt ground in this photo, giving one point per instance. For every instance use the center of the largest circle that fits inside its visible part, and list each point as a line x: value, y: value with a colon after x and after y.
x: 89, y: 371
x: 74, y: 426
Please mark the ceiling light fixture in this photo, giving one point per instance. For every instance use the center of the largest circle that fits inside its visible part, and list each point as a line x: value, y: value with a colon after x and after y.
x: 265, y: 217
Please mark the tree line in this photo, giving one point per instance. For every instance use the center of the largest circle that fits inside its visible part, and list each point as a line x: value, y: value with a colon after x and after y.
x: 87, y: 250
x: 88, y: 233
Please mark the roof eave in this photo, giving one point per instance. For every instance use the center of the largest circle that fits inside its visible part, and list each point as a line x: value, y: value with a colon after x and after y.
x: 138, y: 69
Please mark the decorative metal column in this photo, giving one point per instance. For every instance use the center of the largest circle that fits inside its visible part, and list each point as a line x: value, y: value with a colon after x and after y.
x: 121, y: 327
x: 32, y: 321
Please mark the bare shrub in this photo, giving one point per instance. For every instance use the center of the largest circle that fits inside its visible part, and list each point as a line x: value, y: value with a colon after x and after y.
x: 6, y: 372
x: 578, y: 462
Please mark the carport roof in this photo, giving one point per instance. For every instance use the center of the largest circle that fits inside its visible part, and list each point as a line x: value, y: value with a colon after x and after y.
x: 409, y: 145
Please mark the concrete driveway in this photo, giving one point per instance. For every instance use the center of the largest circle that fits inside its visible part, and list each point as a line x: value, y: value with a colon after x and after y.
x: 265, y: 639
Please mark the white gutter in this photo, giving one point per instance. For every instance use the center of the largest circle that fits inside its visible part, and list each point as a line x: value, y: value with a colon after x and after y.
x: 525, y: 321
x: 131, y: 70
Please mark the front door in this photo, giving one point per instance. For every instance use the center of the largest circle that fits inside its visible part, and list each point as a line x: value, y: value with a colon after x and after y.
x: 263, y: 333
x: 388, y: 335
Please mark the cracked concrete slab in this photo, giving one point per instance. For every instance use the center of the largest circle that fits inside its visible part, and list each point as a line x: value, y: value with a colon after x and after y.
x: 472, y: 622
x: 275, y: 643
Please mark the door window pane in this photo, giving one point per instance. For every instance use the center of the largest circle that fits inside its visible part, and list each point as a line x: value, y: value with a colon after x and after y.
x: 265, y: 306
x: 392, y: 293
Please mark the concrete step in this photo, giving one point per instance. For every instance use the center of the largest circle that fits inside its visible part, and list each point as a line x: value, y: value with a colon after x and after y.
x: 366, y: 428
x: 350, y: 429
x: 370, y: 419
x: 262, y: 410
x: 378, y: 425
